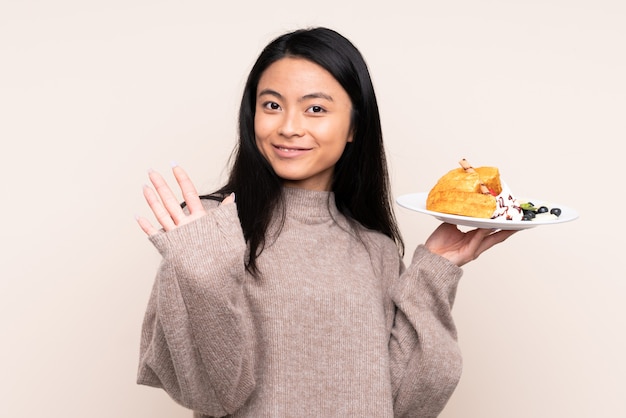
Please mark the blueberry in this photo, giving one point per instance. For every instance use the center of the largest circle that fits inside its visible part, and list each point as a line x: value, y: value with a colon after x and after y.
x: 528, y: 214
x: 555, y: 211
x: 542, y: 209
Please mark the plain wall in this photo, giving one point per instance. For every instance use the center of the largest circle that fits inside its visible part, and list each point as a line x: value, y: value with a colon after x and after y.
x: 94, y: 93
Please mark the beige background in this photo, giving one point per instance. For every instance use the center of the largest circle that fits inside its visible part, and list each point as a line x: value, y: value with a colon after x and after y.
x: 92, y: 94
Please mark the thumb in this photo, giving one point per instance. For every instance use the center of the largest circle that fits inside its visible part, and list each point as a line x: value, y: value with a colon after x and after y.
x: 228, y: 199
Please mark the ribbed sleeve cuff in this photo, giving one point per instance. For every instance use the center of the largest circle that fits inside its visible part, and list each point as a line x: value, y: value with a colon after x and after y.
x: 218, y: 232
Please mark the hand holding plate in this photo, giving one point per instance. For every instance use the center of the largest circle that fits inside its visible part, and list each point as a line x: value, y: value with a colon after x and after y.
x: 462, y: 247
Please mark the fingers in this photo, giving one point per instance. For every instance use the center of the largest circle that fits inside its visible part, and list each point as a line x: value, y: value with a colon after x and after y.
x: 159, y: 211
x: 165, y: 205
x: 462, y: 247
x: 484, y: 239
x: 146, y: 226
x: 190, y: 195
x: 492, y: 239
x: 169, y: 207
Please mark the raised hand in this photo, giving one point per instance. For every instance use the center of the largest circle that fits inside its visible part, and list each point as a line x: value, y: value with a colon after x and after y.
x: 165, y: 206
x: 462, y: 247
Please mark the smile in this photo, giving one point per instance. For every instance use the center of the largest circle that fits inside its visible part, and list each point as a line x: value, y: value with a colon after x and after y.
x: 285, y: 149
x: 290, y: 152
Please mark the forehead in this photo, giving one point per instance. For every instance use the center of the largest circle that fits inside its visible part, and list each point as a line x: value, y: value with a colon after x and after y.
x: 299, y: 75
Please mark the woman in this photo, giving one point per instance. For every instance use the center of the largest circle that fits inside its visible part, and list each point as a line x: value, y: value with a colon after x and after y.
x: 289, y: 297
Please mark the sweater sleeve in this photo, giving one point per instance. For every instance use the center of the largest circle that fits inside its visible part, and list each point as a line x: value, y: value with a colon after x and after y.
x: 196, y: 340
x: 425, y: 357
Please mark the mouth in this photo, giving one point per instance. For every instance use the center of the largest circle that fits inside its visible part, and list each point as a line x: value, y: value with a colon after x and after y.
x: 290, y: 149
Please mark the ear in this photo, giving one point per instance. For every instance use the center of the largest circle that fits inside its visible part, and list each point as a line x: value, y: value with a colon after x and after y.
x: 353, y: 123
x: 350, y: 137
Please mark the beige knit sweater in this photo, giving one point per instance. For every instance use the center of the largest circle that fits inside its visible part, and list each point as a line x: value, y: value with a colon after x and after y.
x: 334, y: 327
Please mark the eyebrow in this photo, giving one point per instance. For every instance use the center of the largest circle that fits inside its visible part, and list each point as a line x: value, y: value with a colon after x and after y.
x: 316, y: 95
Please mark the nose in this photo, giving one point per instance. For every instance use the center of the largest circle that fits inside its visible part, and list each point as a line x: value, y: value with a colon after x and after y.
x: 291, y: 125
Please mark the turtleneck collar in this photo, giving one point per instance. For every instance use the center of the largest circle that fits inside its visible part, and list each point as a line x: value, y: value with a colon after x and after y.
x: 309, y: 204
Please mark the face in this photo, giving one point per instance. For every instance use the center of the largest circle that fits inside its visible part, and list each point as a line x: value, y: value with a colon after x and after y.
x: 302, y: 122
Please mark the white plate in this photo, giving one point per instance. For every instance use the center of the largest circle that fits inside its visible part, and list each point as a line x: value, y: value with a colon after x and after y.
x: 417, y: 202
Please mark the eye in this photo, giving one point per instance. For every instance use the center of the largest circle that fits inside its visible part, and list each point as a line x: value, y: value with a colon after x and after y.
x: 271, y: 106
x: 316, y: 109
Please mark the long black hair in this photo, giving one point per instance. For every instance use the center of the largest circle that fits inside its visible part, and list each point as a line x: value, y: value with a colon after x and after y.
x: 360, y: 180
